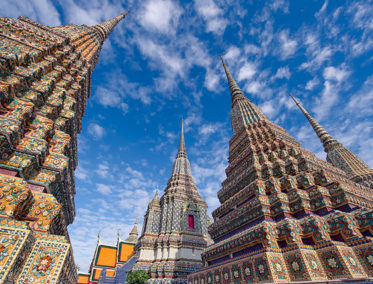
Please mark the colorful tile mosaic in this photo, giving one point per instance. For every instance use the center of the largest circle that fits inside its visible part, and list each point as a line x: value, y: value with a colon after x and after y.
x: 44, y: 85
x: 175, y: 228
x: 286, y: 215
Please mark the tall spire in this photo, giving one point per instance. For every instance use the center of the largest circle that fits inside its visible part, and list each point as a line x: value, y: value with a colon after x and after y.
x: 133, y: 234
x: 236, y: 92
x: 339, y: 156
x: 325, y: 138
x: 181, y: 164
x: 106, y: 28
x: 243, y: 111
x: 181, y: 152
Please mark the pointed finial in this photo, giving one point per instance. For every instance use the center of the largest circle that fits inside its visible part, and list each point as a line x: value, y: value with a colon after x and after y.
x: 98, y: 237
x: 181, y: 152
x: 155, y: 201
x: 118, y: 235
x: 133, y: 234
x: 105, y: 28
x: 325, y: 138
x: 235, y: 91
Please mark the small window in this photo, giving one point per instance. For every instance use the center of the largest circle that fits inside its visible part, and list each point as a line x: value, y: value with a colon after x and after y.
x: 191, y: 221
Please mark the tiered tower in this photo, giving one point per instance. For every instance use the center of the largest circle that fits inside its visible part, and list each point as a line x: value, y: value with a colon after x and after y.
x: 285, y: 215
x: 45, y: 78
x: 108, y: 258
x: 175, y: 228
x: 340, y: 156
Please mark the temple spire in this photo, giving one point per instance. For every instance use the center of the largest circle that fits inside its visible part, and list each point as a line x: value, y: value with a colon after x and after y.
x: 181, y: 152
x: 133, y: 234
x: 235, y: 91
x: 181, y: 164
x: 98, y: 238
x: 155, y: 201
x: 243, y: 112
x: 107, y: 27
x: 325, y: 138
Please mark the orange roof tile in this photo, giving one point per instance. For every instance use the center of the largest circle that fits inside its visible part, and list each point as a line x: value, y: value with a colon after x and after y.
x: 106, y: 256
x: 125, y: 251
x: 83, y: 279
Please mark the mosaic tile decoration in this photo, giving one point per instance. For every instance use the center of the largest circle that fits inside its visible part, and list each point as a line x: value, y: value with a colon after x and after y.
x: 286, y: 215
x: 45, y: 76
x: 166, y: 225
x: 12, y: 241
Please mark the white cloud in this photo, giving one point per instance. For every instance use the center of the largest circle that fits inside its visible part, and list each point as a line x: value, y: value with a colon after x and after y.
x: 111, y: 98
x: 251, y: 49
x: 211, y: 80
x: 282, y: 72
x: 328, y: 98
x: 361, y: 103
x: 311, y: 84
x: 96, y: 131
x: 254, y: 87
x: 317, y: 54
x: 103, y: 170
x: 335, y: 73
x: 247, y: 71
x: 268, y: 108
x: 160, y: 15
x: 172, y: 62
x: 103, y: 189
x: 280, y: 5
x: 207, y: 129
x: 42, y: 11
x: 232, y: 54
x: 81, y: 173
x: 212, y: 14
x: 288, y: 45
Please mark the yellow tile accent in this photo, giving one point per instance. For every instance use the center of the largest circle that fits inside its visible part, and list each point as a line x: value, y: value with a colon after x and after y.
x: 126, y: 252
x: 107, y: 256
x: 83, y: 279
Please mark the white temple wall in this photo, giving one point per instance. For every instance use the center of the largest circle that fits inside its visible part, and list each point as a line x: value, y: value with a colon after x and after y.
x: 146, y: 254
x: 190, y: 253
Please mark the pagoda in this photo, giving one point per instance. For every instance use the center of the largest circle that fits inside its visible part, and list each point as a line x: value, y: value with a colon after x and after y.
x: 45, y: 80
x: 174, y: 230
x: 285, y: 215
x: 338, y: 155
x: 108, y: 258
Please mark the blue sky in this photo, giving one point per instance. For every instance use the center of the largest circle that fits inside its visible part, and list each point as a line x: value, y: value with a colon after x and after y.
x: 161, y: 64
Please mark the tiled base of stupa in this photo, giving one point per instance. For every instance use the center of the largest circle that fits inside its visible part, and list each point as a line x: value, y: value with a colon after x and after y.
x: 32, y: 257
x: 329, y: 260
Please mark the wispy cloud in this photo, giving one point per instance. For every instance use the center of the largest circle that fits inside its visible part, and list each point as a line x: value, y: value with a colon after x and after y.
x: 212, y: 14
x: 160, y: 15
x: 96, y: 131
x: 42, y: 11
x: 288, y: 45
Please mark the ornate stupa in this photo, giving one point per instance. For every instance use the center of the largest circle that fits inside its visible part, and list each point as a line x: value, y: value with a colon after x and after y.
x: 285, y: 215
x: 175, y: 227
x: 338, y: 155
x: 107, y: 258
x: 45, y: 80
